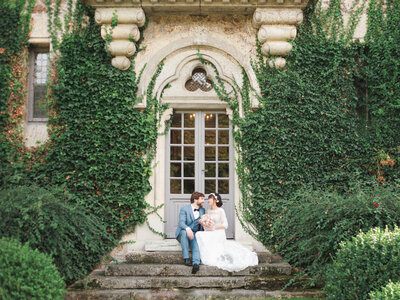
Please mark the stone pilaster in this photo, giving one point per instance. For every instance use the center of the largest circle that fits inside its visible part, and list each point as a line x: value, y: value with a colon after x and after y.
x: 275, y: 28
x: 128, y: 22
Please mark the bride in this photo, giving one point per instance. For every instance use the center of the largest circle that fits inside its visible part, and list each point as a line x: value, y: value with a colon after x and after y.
x: 215, y: 250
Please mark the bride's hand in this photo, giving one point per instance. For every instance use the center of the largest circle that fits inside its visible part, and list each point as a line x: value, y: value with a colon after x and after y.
x: 209, y: 228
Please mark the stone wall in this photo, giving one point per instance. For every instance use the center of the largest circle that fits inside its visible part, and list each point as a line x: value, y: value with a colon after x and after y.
x: 230, y: 38
x: 234, y: 30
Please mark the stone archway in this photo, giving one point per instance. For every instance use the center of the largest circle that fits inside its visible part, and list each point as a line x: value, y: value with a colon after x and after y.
x: 180, y: 54
x: 206, y: 160
x: 179, y: 64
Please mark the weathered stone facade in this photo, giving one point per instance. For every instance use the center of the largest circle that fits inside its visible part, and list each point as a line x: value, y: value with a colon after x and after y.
x: 223, y: 31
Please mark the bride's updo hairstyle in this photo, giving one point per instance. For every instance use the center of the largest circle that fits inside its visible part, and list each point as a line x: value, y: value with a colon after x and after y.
x: 217, y: 197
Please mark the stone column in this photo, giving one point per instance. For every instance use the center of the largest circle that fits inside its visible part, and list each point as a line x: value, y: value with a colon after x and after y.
x: 275, y: 28
x: 128, y: 22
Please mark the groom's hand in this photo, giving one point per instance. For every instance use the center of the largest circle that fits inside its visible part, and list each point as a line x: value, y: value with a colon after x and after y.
x: 189, y: 233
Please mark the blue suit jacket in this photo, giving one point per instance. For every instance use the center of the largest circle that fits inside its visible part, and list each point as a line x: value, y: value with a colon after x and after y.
x: 186, y: 219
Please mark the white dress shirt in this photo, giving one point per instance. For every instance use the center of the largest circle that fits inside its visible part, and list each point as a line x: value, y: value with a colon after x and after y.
x: 195, y: 213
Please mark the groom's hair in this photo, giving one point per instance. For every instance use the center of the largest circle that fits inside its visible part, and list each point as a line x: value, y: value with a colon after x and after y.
x: 195, y: 196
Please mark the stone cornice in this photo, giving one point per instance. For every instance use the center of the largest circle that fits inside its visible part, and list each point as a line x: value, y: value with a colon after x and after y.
x: 276, y: 21
x: 199, y: 7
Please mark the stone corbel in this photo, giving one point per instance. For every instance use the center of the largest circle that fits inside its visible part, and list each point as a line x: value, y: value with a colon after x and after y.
x: 166, y: 116
x: 128, y: 22
x: 229, y: 113
x: 275, y: 28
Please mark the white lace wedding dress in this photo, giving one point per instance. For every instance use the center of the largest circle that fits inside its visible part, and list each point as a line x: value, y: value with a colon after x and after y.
x: 216, y: 250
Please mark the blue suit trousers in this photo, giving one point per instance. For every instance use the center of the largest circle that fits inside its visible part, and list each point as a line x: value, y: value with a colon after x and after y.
x: 185, y: 243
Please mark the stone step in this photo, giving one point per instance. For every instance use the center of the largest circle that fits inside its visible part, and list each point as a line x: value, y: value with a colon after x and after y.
x: 175, y: 257
x: 174, y: 245
x: 182, y: 270
x: 97, y: 280
x: 195, y: 294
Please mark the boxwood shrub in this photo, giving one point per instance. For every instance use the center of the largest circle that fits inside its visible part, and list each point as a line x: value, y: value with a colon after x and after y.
x: 27, y: 274
x: 365, y: 263
x: 391, y: 291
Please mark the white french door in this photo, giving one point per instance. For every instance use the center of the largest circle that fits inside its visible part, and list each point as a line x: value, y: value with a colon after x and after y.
x: 199, y: 158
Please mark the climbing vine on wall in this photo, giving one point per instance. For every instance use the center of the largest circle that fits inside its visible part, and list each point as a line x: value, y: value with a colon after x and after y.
x: 14, y: 30
x: 101, y: 147
x: 310, y: 129
x: 381, y: 86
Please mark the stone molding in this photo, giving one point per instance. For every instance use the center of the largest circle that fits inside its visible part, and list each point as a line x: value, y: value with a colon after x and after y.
x: 199, y: 7
x: 275, y: 28
x: 123, y: 34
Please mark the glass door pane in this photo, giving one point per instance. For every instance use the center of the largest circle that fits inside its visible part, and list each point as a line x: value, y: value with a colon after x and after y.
x: 216, y: 153
x: 182, y: 167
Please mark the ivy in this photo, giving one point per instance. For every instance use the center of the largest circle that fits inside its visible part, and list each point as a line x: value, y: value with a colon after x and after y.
x: 100, y: 147
x: 309, y: 131
x: 14, y: 30
x: 381, y: 85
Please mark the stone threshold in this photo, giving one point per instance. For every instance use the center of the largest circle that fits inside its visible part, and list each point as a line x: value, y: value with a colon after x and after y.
x: 173, y: 245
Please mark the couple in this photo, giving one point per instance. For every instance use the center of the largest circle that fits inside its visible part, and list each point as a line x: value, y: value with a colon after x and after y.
x: 205, y: 234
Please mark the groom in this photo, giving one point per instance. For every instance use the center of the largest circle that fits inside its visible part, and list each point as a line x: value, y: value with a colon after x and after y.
x: 188, y: 225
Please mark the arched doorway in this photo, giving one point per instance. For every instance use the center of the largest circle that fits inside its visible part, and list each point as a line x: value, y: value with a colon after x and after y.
x: 197, y: 153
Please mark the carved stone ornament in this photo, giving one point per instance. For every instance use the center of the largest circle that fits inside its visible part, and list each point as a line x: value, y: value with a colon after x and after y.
x: 276, y: 21
x: 198, y: 80
x: 128, y: 22
x: 275, y: 28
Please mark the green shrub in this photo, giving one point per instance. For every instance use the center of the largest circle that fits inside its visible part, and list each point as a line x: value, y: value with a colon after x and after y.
x: 389, y: 292
x: 27, y: 274
x: 364, y: 264
x: 313, y: 223
x: 46, y: 220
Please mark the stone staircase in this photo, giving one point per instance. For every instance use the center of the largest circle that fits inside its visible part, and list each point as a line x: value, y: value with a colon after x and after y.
x: 162, y: 275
